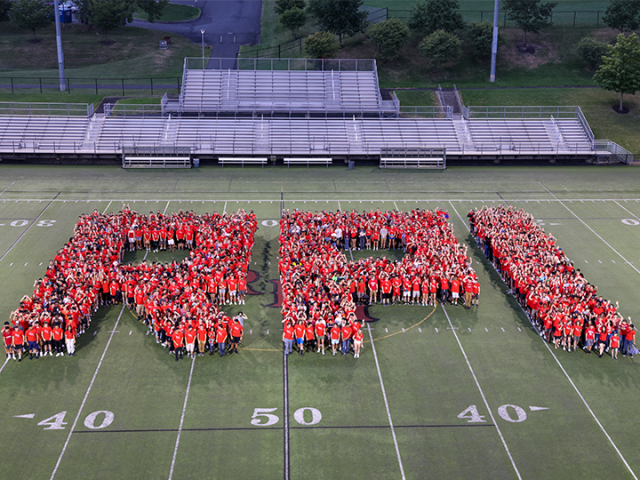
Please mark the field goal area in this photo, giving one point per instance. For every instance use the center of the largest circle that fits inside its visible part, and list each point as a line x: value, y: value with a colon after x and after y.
x: 437, y: 392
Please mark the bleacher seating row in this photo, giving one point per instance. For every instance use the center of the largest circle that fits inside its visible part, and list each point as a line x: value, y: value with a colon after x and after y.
x: 295, y: 137
x: 275, y: 90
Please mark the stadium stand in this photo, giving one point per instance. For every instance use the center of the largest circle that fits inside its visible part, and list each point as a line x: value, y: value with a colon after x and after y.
x: 269, y: 128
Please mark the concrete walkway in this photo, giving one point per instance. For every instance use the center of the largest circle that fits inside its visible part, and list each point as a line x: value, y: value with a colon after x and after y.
x: 227, y: 25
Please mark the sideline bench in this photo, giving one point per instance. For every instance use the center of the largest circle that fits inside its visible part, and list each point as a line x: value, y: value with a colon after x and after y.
x: 412, y: 162
x: 156, y: 162
x: 308, y: 161
x: 243, y: 161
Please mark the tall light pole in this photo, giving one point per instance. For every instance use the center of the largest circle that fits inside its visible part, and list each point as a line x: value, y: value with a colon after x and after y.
x: 202, y: 32
x: 56, y: 14
x: 494, y: 43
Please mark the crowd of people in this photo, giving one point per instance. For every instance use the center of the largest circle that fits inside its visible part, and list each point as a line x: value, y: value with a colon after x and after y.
x: 322, y: 288
x: 178, y: 301
x: 565, y: 308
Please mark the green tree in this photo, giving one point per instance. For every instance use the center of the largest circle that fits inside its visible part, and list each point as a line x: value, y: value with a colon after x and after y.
x: 620, y: 69
x: 282, y: 6
x: 388, y: 37
x: 321, y: 45
x: 294, y: 19
x: 342, y: 17
x: 5, y: 6
x: 31, y: 14
x: 431, y: 15
x: 623, y: 15
x: 439, y: 47
x: 480, y: 38
x: 111, y: 14
x: 591, y: 51
x: 529, y: 15
x: 153, y: 8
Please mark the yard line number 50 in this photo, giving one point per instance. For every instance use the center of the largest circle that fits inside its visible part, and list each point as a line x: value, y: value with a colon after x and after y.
x: 263, y: 417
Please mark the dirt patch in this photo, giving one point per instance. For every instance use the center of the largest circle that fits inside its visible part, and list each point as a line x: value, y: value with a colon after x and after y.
x: 605, y: 35
x: 512, y: 52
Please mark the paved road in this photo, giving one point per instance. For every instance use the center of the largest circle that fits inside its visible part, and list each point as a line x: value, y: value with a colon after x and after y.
x: 226, y: 20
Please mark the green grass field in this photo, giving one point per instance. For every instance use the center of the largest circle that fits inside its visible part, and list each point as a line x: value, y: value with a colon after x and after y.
x: 193, y: 419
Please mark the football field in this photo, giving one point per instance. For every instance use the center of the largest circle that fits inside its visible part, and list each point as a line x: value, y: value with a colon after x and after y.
x: 437, y: 392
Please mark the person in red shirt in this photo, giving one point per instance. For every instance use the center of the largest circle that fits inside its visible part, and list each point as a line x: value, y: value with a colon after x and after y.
x: 221, y: 338
x: 32, y: 340
x: 178, y: 339
x: 310, y: 335
x: 335, y: 337
x: 614, y: 344
x: 7, y: 337
x: 347, y: 331
x: 300, y: 332
x: 236, y: 335
x: 373, y: 290
x: 455, y: 290
x: 70, y: 340
x: 190, y: 341
x: 468, y: 291
x: 58, y: 336
x: 475, y: 300
x: 242, y: 289
x: 357, y: 343
x: 287, y: 338
x: 320, y: 334
x: 18, y: 342
x: 385, y: 287
x: 201, y: 334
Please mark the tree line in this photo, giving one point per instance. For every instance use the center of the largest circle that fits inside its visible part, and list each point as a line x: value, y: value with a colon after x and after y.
x: 103, y: 14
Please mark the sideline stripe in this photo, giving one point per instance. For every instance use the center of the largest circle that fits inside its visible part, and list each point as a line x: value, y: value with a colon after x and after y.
x: 29, y: 227
x: 321, y: 427
x: 569, y: 378
x: 86, y: 395
x: 349, y: 200
x: 184, y: 409
x: 628, y: 211
x: 592, y: 230
x: 386, y: 403
x: 484, y: 399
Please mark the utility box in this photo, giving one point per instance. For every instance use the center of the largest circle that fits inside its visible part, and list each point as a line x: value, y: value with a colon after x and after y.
x: 163, y: 45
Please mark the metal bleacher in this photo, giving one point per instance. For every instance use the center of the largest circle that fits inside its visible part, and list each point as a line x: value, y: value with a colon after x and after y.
x: 312, y: 87
x: 424, y: 137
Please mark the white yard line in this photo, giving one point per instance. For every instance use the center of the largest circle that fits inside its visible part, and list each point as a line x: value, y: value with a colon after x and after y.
x: 590, y: 411
x: 184, y: 409
x: 165, y: 208
x: 4, y: 364
x: 484, y: 399
x: 573, y: 384
x: 628, y: 211
x: 108, y: 205
x: 339, y: 207
x: 592, y: 230
x: 386, y: 403
x: 224, y: 210
x: 8, y: 187
x: 396, y: 205
x: 26, y: 230
x: 285, y: 378
x: 86, y: 395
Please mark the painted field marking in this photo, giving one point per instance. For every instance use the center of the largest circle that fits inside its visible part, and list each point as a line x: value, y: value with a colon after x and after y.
x: 28, y: 228
x: 592, y: 230
x: 107, y: 207
x: 396, y: 205
x: 86, y: 395
x: 4, y: 364
x: 184, y: 409
x: 484, y: 399
x: 8, y: 187
x: 419, y: 329
x: 166, y: 207
x: 26, y: 415
x: 386, y: 403
x: 567, y: 375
